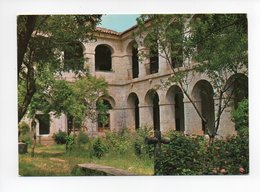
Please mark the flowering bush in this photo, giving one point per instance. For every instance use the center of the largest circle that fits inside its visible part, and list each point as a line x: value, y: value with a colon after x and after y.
x: 192, y: 156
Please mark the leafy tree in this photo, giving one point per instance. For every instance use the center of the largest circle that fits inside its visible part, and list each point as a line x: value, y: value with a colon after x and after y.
x: 76, y: 99
x: 213, y: 44
x: 102, y: 113
x: 43, y: 42
x: 240, y: 117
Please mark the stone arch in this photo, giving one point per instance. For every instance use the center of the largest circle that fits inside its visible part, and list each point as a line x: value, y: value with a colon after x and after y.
x: 133, y: 111
x: 175, y: 96
x: 237, y: 88
x: 110, y: 99
x: 202, y: 95
x: 151, y: 43
x: 152, y: 102
x: 132, y: 49
x: 109, y: 103
x: 103, y: 57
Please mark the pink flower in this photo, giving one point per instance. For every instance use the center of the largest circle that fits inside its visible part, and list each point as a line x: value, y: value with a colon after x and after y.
x: 241, y: 170
x: 223, y: 171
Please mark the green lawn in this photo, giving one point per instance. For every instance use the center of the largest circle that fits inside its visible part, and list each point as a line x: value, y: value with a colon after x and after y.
x: 55, y: 161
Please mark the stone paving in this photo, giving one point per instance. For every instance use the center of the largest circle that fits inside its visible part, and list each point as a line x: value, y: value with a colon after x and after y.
x: 105, y: 170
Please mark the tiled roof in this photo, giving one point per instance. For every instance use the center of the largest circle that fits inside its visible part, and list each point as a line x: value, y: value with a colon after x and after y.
x: 104, y: 30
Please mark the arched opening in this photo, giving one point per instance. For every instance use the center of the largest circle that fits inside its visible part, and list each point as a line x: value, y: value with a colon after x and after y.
x: 104, y: 108
x: 103, y: 60
x: 152, y: 99
x: 202, y: 94
x: 175, y: 99
x: 151, y: 43
x: 44, y: 123
x: 133, y: 116
x: 135, y: 63
x: 73, y: 57
x: 237, y: 88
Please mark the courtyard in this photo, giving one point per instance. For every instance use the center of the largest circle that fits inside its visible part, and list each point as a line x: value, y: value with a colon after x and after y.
x: 146, y: 102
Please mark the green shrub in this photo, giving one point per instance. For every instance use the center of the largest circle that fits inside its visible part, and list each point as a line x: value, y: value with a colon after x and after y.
x: 82, y: 138
x: 230, y: 156
x: 99, y: 148
x: 138, y: 148
x: 70, y: 142
x: 24, y: 132
x: 180, y: 156
x: 60, y: 137
x: 187, y: 155
x: 142, y: 148
x: 240, y: 116
x: 120, y: 142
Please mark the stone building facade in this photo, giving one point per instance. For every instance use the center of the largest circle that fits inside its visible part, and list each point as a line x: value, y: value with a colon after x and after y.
x: 134, y: 101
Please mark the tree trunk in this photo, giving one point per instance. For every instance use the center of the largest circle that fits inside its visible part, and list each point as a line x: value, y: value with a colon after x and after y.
x: 33, y: 127
x: 73, y: 126
x: 30, y: 90
x: 24, y: 38
x: 211, y: 139
x: 157, y: 152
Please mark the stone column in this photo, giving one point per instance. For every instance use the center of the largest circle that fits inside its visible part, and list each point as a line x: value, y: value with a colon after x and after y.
x: 167, y: 117
x: 92, y: 127
x: 89, y: 56
x: 193, y: 124
x: 113, y: 120
x: 146, y: 115
x: 90, y: 61
x: 163, y: 65
x: 130, y: 120
x: 226, y: 126
x: 144, y: 66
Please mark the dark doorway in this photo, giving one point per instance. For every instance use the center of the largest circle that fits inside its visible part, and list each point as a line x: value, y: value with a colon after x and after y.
x: 44, y: 123
x: 133, y: 116
x: 156, y: 112
x: 103, y: 60
x: 207, y: 108
x: 135, y: 65
x: 154, y: 61
x: 203, y: 94
x: 137, y: 120
x: 179, y: 111
x: 175, y: 98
